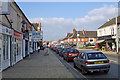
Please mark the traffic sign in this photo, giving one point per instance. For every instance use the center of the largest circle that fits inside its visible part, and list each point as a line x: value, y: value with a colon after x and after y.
x: 36, y: 36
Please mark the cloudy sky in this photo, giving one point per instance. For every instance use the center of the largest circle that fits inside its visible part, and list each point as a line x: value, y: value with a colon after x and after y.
x: 60, y: 18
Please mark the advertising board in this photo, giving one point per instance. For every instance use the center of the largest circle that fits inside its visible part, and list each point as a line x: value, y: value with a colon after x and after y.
x: 4, y: 7
x: 36, y: 36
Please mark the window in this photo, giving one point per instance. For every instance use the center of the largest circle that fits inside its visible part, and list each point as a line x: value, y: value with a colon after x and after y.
x: 112, y: 31
x: 91, y: 40
x: 5, y: 47
x: 96, y: 56
x: 82, y: 55
x: 104, y: 31
x: 73, y: 51
x: 74, y: 39
x: 100, y: 32
x: 78, y: 39
x: 82, y: 39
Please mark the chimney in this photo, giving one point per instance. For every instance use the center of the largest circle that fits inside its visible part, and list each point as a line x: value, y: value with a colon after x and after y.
x: 74, y: 30
x: 39, y: 26
x: 108, y: 19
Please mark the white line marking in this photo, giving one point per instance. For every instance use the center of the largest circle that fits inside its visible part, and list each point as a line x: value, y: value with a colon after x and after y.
x: 113, y: 61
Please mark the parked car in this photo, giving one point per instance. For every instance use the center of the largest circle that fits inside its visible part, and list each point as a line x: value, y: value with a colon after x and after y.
x: 90, y: 61
x: 70, y: 54
x: 58, y: 49
x: 54, y: 48
x: 62, y: 51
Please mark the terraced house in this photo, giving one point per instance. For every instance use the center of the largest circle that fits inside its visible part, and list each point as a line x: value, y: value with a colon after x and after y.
x: 14, y: 33
x: 81, y: 37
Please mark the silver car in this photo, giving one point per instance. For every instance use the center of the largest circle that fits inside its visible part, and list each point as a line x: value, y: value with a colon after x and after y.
x: 90, y: 61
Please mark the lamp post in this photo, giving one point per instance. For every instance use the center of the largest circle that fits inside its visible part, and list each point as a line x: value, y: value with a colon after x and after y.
x: 117, y: 44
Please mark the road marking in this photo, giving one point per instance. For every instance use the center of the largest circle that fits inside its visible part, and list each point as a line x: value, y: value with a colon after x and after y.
x: 77, y: 71
x: 113, y: 61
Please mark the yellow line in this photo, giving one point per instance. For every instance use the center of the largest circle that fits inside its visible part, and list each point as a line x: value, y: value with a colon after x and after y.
x: 77, y: 71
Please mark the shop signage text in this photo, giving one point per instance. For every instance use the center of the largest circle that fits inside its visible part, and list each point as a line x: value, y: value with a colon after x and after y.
x: 36, y: 36
x: 17, y: 34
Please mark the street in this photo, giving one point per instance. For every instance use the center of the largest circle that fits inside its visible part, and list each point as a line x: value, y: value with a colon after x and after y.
x: 53, y: 66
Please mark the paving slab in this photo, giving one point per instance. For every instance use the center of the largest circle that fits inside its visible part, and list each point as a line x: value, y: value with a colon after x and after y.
x: 38, y: 66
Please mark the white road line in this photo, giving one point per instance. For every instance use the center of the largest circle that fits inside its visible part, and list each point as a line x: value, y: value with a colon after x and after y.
x: 113, y: 61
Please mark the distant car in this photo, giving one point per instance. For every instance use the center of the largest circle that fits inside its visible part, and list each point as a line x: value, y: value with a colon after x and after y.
x: 90, y: 61
x: 70, y: 54
x: 62, y: 51
x: 58, y: 49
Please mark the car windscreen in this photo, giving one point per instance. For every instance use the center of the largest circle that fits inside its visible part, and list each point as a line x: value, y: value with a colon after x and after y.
x: 96, y: 56
x: 73, y: 51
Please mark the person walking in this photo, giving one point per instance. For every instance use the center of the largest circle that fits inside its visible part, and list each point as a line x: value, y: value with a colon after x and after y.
x: 38, y: 49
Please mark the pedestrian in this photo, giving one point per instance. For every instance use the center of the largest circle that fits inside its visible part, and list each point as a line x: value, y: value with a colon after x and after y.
x: 113, y: 47
x: 38, y: 48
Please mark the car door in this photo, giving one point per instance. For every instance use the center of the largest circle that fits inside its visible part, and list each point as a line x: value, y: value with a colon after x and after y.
x: 81, y: 60
x: 77, y: 59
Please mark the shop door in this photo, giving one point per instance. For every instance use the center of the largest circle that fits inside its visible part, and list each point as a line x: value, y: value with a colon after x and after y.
x: 6, y: 52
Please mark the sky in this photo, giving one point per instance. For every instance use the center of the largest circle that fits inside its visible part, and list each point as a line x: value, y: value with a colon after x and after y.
x: 60, y: 18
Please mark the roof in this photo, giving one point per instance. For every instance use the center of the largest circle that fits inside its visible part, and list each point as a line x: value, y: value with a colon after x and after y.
x: 111, y: 22
x: 68, y: 35
x: 91, y: 34
x: 35, y: 25
x: 91, y: 52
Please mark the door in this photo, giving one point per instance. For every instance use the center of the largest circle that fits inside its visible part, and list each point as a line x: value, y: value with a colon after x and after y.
x: 81, y: 60
x: 6, y: 52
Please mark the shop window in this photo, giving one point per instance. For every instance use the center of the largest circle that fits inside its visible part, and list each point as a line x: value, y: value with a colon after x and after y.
x: 5, y: 47
x: 74, y: 39
x: 91, y: 40
x: 82, y: 39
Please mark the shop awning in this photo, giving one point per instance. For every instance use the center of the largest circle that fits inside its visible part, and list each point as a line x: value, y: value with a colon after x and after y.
x: 99, y: 41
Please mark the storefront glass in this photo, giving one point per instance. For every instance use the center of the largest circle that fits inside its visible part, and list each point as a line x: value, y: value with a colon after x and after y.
x: 5, y: 47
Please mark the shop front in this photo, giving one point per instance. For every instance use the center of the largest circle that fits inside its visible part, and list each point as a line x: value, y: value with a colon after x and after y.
x: 17, y: 46
x: 5, y: 33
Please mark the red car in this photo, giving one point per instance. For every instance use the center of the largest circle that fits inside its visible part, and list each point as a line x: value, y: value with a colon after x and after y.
x: 70, y: 54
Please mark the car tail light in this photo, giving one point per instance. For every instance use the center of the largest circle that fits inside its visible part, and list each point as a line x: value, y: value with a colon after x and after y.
x: 108, y: 61
x: 61, y: 52
x: 87, y: 63
x: 70, y: 54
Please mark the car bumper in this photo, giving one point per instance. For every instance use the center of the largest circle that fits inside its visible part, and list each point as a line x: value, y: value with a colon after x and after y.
x: 70, y: 58
x: 97, y: 68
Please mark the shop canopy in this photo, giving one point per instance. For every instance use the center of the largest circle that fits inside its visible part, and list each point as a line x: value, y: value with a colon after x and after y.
x: 99, y: 41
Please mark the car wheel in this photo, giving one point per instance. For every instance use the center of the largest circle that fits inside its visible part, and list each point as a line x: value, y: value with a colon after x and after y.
x: 63, y: 58
x: 74, y: 65
x: 67, y: 60
x: 106, y: 71
x: 83, y: 71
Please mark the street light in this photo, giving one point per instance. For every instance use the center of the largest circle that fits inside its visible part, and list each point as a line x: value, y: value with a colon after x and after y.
x: 117, y: 46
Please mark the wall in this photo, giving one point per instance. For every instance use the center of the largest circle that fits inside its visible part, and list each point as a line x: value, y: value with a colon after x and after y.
x: 106, y: 31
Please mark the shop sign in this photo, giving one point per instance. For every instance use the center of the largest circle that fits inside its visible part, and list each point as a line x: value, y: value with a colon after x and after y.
x: 6, y: 30
x: 17, y: 34
x: 36, y: 36
x: 4, y: 6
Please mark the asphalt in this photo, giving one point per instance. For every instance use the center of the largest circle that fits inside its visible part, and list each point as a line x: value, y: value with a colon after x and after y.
x: 38, y: 66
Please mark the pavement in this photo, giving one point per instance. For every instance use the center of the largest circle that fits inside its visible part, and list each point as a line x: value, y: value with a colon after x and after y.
x: 38, y: 66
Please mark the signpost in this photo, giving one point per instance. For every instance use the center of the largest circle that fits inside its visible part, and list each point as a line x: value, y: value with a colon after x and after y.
x: 36, y: 36
x: 4, y: 7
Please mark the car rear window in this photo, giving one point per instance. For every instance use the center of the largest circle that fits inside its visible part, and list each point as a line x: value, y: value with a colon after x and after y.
x: 73, y: 51
x: 96, y: 56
